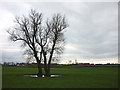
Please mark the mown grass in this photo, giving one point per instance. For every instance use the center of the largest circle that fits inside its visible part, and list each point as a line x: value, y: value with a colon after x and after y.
x: 73, y: 77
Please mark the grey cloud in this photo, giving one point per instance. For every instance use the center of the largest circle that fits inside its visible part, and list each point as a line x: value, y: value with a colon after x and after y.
x: 12, y: 56
x: 92, y: 26
x: 99, y: 37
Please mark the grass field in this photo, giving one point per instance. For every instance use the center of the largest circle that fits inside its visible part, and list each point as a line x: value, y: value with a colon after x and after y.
x: 73, y: 77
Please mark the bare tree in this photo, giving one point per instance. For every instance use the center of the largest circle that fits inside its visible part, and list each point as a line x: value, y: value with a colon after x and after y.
x: 55, y: 40
x: 25, y: 30
x: 41, y: 41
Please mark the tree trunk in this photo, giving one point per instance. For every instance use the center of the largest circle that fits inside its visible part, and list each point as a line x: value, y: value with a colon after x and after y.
x: 39, y: 70
x: 47, y: 71
x: 39, y: 66
x: 49, y: 62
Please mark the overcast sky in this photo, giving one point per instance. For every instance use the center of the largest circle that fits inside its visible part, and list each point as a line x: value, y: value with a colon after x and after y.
x: 92, y: 35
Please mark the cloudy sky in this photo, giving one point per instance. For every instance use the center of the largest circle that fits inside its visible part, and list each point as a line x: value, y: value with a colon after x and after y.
x: 92, y: 35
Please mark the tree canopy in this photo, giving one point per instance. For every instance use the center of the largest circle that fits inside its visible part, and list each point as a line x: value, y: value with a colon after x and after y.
x: 43, y: 41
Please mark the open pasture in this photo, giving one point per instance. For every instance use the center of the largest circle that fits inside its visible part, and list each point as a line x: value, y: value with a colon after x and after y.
x: 72, y: 77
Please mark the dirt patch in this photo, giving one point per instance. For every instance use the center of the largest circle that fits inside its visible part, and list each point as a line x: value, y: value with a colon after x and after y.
x: 34, y: 75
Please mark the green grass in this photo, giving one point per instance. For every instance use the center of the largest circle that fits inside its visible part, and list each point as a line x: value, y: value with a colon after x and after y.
x: 73, y: 77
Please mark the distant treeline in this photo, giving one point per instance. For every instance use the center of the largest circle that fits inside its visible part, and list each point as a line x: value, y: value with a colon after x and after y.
x: 52, y: 65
